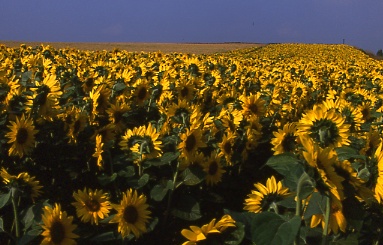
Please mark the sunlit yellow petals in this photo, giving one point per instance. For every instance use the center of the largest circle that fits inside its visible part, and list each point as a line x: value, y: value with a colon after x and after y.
x: 21, y: 136
x: 58, y: 227
x: 271, y: 193
x: 91, y: 205
x: 132, y: 214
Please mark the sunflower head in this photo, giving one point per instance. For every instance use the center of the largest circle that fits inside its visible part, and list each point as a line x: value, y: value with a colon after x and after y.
x: 23, y: 183
x: 132, y: 214
x: 213, y: 169
x: 58, y: 227
x: 265, y: 196
x: 21, y: 136
x: 91, y: 205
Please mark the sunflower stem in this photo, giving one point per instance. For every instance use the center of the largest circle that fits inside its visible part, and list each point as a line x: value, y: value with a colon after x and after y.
x: 327, y: 220
x: 298, y: 212
x: 171, y: 192
x: 15, y: 212
x: 142, y: 146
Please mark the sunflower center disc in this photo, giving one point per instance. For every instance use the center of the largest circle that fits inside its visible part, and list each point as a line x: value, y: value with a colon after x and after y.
x: 131, y: 214
x: 22, y: 135
x: 57, y: 232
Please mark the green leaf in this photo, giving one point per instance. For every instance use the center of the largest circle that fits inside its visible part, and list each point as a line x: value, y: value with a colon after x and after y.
x: 346, y: 153
x: 143, y: 180
x: 159, y: 191
x: 104, y: 237
x: 106, y: 179
x: 30, y: 235
x: 364, y: 174
x: 166, y: 158
x: 4, y: 199
x: 192, y: 176
x: 188, y: 209
x: 26, y: 76
x: 245, y: 218
x: 33, y: 214
x: 307, y: 186
x: 317, y: 205
x: 270, y: 228
x: 236, y: 236
x: 289, y: 166
x: 1, y: 225
x: 127, y: 173
x: 119, y: 86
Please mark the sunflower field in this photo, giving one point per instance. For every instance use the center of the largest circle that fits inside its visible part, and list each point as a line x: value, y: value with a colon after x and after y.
x: 280, y: 144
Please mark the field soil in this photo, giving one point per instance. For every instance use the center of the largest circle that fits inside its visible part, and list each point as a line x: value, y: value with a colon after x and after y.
x: 195, y: 48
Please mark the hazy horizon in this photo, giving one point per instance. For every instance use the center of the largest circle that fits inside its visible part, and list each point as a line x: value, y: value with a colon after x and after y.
x: 354, y: 22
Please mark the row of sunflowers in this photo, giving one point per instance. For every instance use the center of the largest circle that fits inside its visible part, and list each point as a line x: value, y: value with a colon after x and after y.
x: 278, y: 144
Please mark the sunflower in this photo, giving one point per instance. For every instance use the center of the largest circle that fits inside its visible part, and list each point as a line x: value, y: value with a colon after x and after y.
x: 98, y: 151
x: 185, y: 89
x: 130, y: 137
x: 100, y: 99
x: 22, y: 136
x: 227, y: 147
x: 191, y: 140
x: 366, y: 110
x: 373, y: 140
x: 26, y: 183
x: 45, y: 97
x: 80, y: 120
x: 253, y: 105
x: 58, y: 227
x: 149, y: 145
x: 106, y: 132
x: 141, y: 93
x: 213, y: 169
x: 183, y: 113
x: 322, y: 161
x: 196, y: 160
x: 326, y: 127
x: 353, y: 184
x: 230, y: 118
x: 132, y: 214
x: 379, y: 178
x: 197, y: 234
x: 264, y: 197
x: 91, y: 205
x: 116, y: 112
x: 285, y: 140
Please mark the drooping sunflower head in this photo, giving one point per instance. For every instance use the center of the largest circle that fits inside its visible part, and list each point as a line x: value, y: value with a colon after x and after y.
x: 27, y: 185
x: 132, y: 214
x: 58, y: 227
x: 264, y: 197
x: 21, y: 136
x: 91, y: 206
x: 322, y: 162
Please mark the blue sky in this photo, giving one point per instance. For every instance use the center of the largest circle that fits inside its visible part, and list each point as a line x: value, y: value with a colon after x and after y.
x: 358, y: 22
